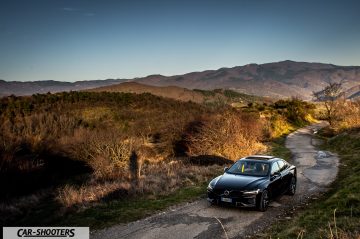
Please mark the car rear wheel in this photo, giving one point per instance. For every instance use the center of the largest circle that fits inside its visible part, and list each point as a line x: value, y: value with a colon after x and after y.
x: 263, y: 203
x: 292, y: 186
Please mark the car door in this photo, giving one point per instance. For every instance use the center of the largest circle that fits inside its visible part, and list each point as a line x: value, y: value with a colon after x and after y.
x: 275, y: 179
x: 284, y: 175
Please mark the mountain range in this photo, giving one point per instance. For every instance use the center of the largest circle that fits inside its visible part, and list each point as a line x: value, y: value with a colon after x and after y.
x: 34, y: 87
x: 276, y: 80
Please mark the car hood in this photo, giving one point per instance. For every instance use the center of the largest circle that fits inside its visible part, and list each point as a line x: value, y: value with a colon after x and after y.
x: 238, y: 182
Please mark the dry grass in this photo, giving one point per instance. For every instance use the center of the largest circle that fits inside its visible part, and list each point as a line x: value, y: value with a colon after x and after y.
x: 70, y: 195
x: 158, y: 179
x: 332, y: 232
x: 349, y: 116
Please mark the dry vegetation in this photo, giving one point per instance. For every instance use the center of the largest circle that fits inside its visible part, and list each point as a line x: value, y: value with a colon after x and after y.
x: 87, y: 147
x: 348, y: 116
x: 229, y: 134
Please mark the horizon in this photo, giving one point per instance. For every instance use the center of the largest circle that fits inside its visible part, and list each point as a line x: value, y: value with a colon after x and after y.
x: 226, y: 67
x: 90, y: 40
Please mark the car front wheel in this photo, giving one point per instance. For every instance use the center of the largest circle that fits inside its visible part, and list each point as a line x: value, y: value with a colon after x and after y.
x: 292, y: 186
x: 263, y: 203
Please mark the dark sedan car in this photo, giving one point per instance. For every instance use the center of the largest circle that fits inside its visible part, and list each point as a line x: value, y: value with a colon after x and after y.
x: 253, y: 181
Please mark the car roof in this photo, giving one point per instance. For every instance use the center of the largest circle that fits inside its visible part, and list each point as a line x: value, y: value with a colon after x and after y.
x: 261, y: 157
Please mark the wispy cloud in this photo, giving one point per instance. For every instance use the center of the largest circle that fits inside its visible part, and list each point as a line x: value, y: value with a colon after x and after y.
x: 69, y: 9
x: 89, y: 14
x: 84, y: 13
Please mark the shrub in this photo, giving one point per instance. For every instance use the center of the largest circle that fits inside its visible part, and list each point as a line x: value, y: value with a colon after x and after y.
x: 229, y: 134
x: 296, y: 111
x: 278, y: 126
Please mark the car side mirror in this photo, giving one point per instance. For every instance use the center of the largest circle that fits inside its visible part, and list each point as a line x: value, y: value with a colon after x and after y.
x: 226, y: 169
x: 274, y: 175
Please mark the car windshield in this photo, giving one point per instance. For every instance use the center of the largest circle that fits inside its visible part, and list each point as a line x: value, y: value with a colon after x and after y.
x: 250, y: 168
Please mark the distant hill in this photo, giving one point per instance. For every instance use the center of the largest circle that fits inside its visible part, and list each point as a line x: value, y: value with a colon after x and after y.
x: 33, y: 87
x: 275, y: 80
x: 183, y: 94
x: 173, y: 92
x: 353, y: 92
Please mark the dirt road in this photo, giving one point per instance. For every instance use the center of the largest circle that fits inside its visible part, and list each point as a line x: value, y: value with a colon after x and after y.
x: 316, y: 170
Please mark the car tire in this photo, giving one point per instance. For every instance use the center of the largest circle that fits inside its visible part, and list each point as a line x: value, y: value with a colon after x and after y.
x: 263, y: 202
x: 292, y: 187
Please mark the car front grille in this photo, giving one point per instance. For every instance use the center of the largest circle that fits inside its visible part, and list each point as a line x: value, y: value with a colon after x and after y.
x: 232, y: 193
x: 237, y: 196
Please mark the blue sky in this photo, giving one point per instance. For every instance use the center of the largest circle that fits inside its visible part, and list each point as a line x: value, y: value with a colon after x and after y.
x: 71, y: 40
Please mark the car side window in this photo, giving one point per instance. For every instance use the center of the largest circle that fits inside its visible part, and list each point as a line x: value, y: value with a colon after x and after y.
x: 275, y: 168
x: 282, y: 165
x: 286, y: 165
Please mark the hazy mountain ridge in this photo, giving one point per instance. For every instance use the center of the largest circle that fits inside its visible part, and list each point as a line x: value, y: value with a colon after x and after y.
x: 278, y: 79
x: 33, y: 87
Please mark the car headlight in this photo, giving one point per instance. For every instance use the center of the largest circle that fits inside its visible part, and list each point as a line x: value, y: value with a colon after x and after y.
x: 252, y: 192
x: 212, y: 183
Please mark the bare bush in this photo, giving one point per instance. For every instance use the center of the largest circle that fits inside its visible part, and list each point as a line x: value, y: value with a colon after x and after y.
x: 107, y: 152
x: 230, y: 134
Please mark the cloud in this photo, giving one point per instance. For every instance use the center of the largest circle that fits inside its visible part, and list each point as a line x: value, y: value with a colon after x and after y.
x: 69, y: 9
x: 84, y: 13
x: 89, y: 14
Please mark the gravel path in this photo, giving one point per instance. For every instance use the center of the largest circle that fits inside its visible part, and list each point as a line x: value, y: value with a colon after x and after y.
x: 316, y: 170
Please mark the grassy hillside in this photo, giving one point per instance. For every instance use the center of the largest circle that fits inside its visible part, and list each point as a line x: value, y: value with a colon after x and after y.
x: 172, y: 92
x: 211, y: 97
x: 67, y: 155
x: 336, y: 214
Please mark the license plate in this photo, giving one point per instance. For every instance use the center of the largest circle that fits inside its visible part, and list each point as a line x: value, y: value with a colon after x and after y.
x: 226, y: 199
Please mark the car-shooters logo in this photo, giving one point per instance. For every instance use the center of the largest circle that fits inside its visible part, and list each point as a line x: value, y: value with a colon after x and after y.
x: 28, y: 232
x: 46, y: 232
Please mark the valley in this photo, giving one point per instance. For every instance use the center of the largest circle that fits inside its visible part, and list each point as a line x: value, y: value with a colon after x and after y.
x: 122, y: 152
